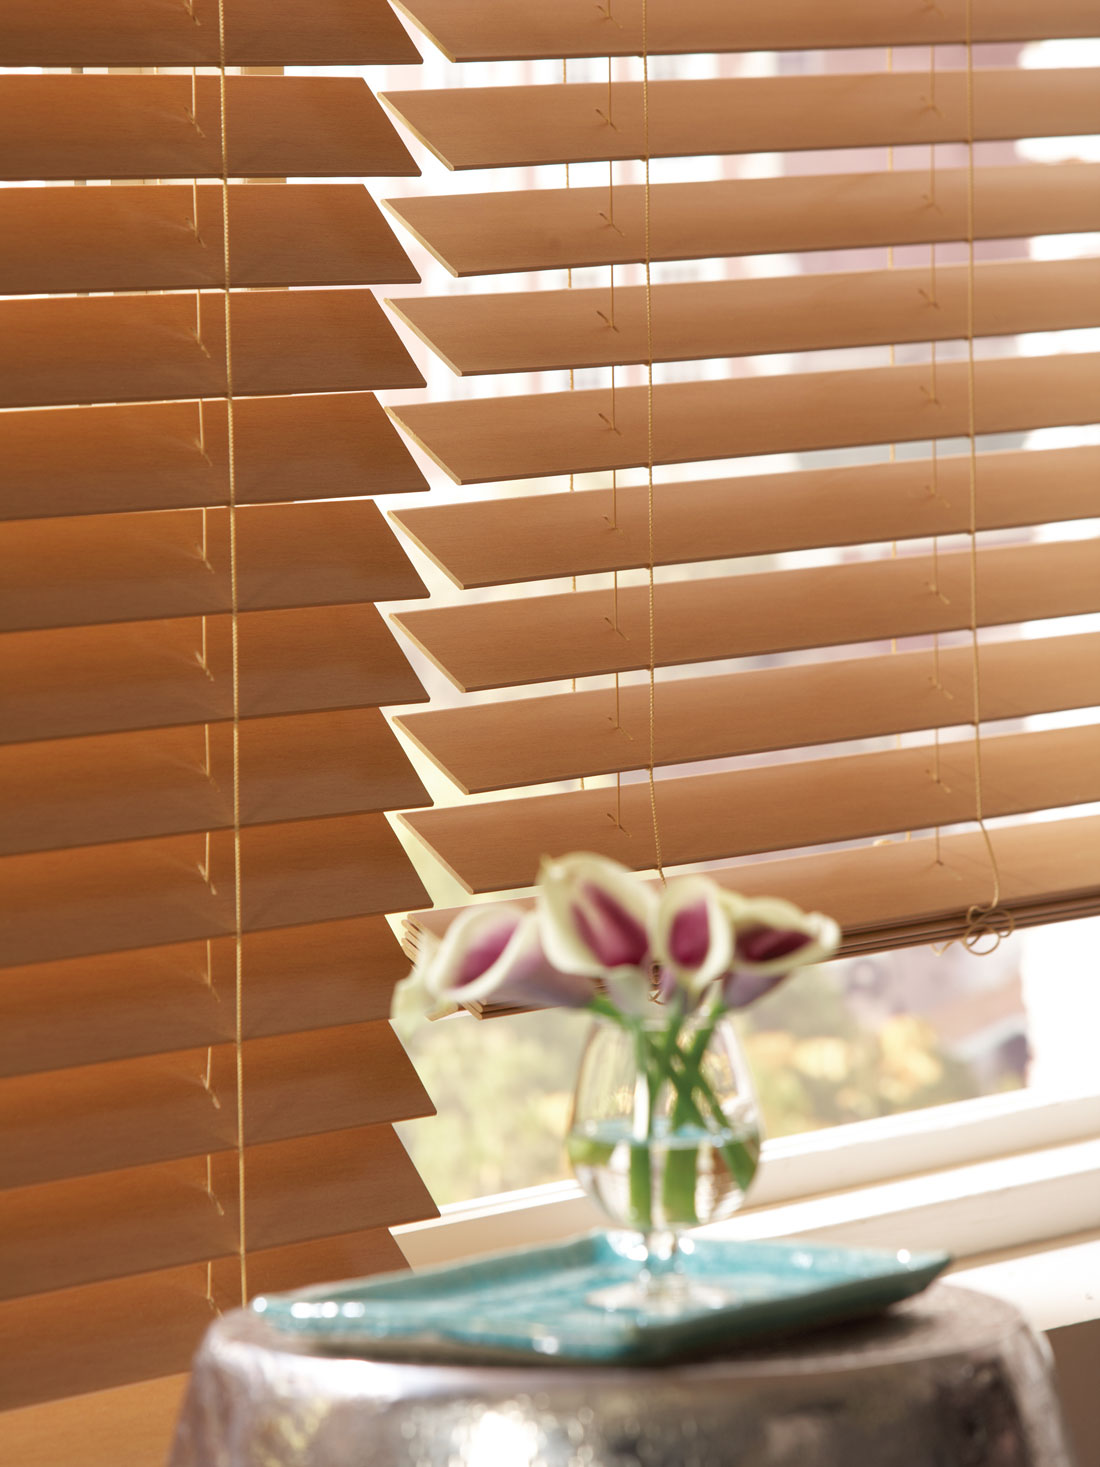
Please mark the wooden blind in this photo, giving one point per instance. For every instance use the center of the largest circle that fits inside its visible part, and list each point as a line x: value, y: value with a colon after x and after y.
x: 197, y: 1075
x: 886, y: 690
x: 492, y: 30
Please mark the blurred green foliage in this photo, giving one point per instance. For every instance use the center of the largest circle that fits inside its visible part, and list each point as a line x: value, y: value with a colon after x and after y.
x: 815, y: 1065
x: 502, y: 1090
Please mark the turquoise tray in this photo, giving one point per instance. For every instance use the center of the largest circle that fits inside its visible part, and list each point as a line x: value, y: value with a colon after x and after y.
x: 531, y: 1302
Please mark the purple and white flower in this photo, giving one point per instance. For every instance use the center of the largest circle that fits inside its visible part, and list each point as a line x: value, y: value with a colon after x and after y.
x: 492, y: 952
x: 596, y: 919
x: 771, y: 938
x: 692, y: 936
x: 597, y: 925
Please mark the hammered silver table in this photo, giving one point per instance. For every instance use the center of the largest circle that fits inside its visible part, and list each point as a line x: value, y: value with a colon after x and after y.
x: 951, y: 1379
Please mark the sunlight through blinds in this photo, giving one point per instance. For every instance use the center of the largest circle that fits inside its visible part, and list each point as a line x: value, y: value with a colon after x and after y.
x: 824, y: 478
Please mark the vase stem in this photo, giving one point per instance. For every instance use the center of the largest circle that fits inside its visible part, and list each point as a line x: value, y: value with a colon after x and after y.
x: 664, y: 1262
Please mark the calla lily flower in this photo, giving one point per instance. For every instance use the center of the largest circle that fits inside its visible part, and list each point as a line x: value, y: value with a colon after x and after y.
x: 492, y: 952
x: 597, y: 926
x: 692, y: 936
x: 771, y: 938
x: 594, y: 915
x: 595, y: 919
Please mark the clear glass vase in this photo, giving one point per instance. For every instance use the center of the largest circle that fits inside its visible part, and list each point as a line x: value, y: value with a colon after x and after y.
x: 664, y: 1136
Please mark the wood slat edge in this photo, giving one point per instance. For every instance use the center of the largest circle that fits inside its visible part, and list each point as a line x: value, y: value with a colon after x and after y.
x: 773, y: 807
x: 531, y: 537
x: 530, y: 741
x: 585, y: 122
x: 484, y: 30
x: 912, y: 886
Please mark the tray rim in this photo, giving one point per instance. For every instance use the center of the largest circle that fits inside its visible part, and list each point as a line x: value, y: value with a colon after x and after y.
x: 636, y: 1340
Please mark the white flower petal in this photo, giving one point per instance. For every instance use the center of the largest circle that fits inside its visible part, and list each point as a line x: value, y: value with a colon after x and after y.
x: 524, y: 974
x: 442, y: 971
x: 748, y: 913
x: 565, y: 894
x: 679, y: 896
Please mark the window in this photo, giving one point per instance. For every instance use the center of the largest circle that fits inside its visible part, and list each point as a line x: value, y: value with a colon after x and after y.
x: 858, y: 1041
x: 198, y: 863
x: 544, y: 236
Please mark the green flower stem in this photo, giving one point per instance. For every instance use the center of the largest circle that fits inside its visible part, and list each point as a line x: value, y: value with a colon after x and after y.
x: 661, y: 1061
x: 681, y: 1166
x: 641, y: 1163
x: 603, y: 1008
x: 683, y: 1071
x: 740, y: 1157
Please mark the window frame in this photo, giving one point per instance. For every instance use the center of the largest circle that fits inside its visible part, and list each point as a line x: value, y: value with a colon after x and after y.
x: 976, y: 1176
x: 966, y: 1156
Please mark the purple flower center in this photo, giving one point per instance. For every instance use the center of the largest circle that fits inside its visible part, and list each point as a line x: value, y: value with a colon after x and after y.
x: 765, y: 944
x: 689, y: 935
x: 482, y: 954
x: 616, y: 937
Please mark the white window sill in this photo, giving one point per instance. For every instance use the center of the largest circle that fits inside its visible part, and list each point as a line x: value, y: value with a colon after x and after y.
x: 1023, y: 1226
x: 1053, y: 1279
x: 1054, y: 1286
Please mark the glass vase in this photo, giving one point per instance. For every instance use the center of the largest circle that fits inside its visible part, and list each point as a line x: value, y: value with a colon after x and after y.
x: 664, y: 1137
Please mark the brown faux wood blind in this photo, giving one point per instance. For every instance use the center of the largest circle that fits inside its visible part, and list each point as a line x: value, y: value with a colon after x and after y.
x: 496, y: 127
x: 853, y: 674
x: 896, y: 893
x: 86, y: 126
x: 115, y: 33
x: 195, y: 857
x: 496, y: 439
x: 564, y: 328
x: 560, y: 229
x: 151, y: 455
x: 491, y: 30
x: 129, y: 237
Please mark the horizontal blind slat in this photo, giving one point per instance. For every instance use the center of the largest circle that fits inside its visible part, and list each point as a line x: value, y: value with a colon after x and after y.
x: 489, y: 30
x: 578, y: 634
x: 350, y: 1254
x: 138, y: 1113
x: 103, y: 1335
x: 140, y: 567
x: 81, y: 681
x: 585, y: 122
x: 483, y: 440
x: 116, y: 33
x: 149, y: 893
x: 712, y: 817
x: 527, y: 741
x: 80, y: 1340
x: 115, y: 1006
x: 59, y: 794
x: 158, y: 1218
x: 895, y: 893
x: 536, y: 537
x: 88, y: 1428
x: 549, y: 330
x: 137, y: 348
x: 130, y: 237
x: 104, y: 460
x: 550, y: 229
x: 89, y: 126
